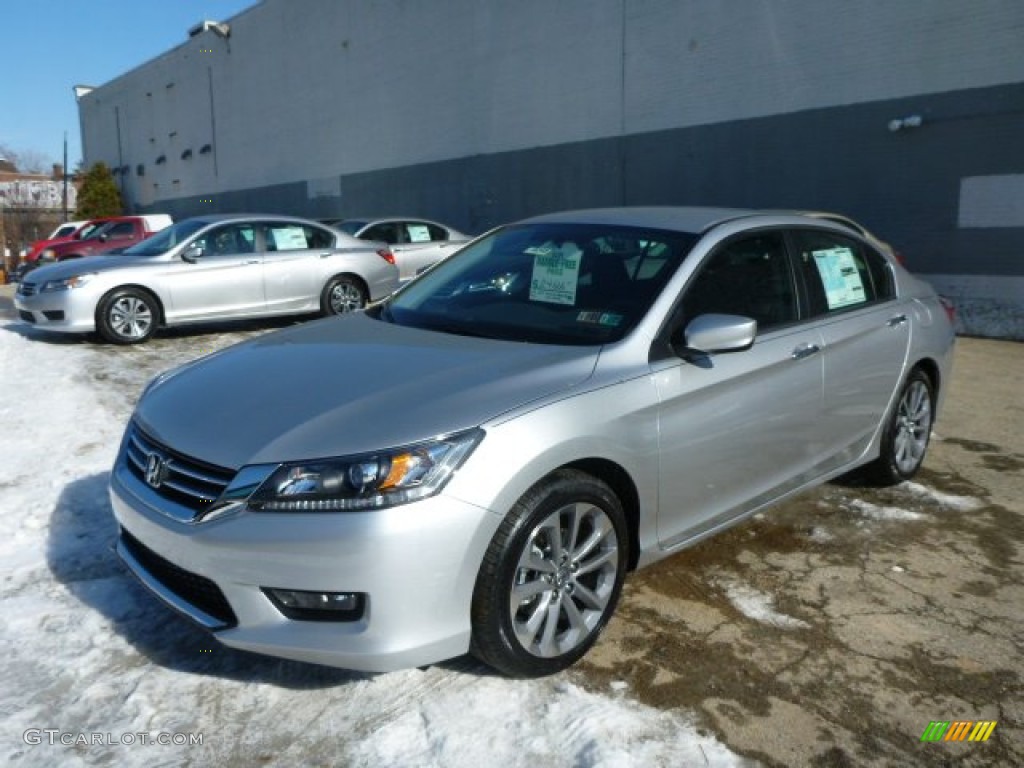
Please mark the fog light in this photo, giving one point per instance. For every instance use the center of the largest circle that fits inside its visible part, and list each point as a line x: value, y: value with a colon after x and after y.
x: 317, y: 606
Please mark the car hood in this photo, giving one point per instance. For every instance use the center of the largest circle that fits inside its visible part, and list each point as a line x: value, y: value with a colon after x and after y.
x: 62, y: 270
x: 347, y: 385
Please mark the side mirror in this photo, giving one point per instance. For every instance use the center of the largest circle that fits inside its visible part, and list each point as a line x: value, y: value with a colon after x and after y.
x: 193, y: 253
x: 103, y: 238
x: 719, y: 333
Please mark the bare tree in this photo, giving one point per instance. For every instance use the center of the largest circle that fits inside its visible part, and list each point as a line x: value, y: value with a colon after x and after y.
x: 27, y: 160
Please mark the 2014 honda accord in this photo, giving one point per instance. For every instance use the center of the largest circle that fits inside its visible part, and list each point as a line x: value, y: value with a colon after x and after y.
x: 476, y: 463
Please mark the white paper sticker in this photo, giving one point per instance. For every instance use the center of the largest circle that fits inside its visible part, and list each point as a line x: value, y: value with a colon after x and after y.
x: 418, y: 233
x: 839, y: 274
x: 556, y: 272
x: 289, y: 238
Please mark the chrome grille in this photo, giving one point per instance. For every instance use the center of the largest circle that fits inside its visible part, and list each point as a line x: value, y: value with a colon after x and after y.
x: 187, y: 481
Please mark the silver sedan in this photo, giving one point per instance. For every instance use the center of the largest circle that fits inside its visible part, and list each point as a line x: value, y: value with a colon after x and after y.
x: 207, y: 268
x: 477, y: 462
x: 416, y: 243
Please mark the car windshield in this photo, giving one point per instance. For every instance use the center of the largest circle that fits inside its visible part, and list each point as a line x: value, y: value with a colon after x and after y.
x: 97, y: 230
x: 89, y: 230
x: 166, y: 239
x: 547, y: 283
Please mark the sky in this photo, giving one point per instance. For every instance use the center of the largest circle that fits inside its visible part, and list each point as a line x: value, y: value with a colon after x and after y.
x: 49, y: 46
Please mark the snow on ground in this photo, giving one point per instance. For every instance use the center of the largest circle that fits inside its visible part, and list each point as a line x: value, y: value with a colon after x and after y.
x: 758, y: 605
x: 959, y: 503
x: 94, y: 666
x: 875, y: 512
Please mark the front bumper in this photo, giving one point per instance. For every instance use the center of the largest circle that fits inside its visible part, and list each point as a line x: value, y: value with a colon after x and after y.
x: 71, y: 311
x: 416, y: 563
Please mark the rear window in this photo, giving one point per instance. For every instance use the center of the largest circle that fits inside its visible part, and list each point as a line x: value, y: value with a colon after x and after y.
x: 840, y: 273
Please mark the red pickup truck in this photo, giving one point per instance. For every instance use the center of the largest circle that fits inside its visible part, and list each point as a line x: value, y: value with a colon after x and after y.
x: 117, y: 232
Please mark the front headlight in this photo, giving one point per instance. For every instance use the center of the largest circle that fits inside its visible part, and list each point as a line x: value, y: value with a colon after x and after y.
x: 47, y: 254
x: 369, y: 481
x: 67, y: 284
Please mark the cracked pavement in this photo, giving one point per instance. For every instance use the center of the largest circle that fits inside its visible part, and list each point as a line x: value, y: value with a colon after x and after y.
x: 830, y: 630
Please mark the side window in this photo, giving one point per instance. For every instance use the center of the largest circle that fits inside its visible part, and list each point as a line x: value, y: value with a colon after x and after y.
x: 287, y: 236
x: 749, y: 276
x: 420, y: 232
x: 228, y: 240
x: 386, y: 232
x: 840, y: 273
x: 319, y: 238
x: 120, y: 231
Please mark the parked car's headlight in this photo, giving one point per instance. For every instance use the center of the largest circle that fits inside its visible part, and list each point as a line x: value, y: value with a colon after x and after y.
x: 369, y: 481
x: 68, y: 283
x: 47, y: 254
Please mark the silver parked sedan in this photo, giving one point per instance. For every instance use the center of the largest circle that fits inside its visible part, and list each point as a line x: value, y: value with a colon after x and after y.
x: 475, y: 464
x: 416, y: 243
x: 222, y: 267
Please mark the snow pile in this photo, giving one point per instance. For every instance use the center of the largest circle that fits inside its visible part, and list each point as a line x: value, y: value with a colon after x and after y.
x: 758, y: 606
x: 959, y: 503
x: 875, y: 512
x: 97, y: 661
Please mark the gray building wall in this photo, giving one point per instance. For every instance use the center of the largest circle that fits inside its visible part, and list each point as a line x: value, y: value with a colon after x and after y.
x: 477, y: 112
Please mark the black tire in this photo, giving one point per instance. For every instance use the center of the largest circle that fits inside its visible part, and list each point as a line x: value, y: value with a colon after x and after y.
x: 127, y: 316
x: 341, y: 295
x: 568, y: 585
x: 907, y: 432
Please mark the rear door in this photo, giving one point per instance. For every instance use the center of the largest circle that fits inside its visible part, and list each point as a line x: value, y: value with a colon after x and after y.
x: 738, y: 428
x: 293, y: 274
x: 866, y: 334
x: 420, y: 244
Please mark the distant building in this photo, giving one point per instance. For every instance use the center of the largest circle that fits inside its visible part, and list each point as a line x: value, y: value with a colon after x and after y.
x: 40, y: 191
x: 906, y: 116
x: 31, y: 204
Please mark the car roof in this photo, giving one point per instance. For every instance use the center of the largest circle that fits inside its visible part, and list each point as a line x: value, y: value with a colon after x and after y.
x: 213, y: 218
x: 682, y: 218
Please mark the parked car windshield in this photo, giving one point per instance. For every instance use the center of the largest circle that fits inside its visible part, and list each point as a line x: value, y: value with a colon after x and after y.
x: 166, y: 239
x: 547, y: 283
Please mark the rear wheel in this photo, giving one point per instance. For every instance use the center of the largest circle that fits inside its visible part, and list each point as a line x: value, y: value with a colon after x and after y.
x: 551, y: 576
x: 127, y: 316
x: 341, y: 295
x: 907, y: 432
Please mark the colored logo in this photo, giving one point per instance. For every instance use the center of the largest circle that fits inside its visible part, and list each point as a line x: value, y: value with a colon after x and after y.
x: 958, y: 730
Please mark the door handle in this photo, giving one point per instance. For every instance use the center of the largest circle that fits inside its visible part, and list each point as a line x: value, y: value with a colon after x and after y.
x: 897, y: 320
x: 252, y: 261
x: 325, y: 255
x: 805, y: 350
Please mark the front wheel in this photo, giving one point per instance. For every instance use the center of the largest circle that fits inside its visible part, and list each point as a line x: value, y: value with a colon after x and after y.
x: 127, y: 316
x: 341, y: 295
x: 551, y: 576
x: 907, y: 432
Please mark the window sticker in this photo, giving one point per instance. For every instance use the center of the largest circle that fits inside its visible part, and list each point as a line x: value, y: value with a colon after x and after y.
x: 599, y: 318
x: 843, y: 286
x: 556, y: 272
x: 418, y: 233
x: 289, y: 238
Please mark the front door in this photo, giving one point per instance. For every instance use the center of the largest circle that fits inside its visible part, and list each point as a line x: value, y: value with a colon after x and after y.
x: 225, y: 280
x: 736, y: 428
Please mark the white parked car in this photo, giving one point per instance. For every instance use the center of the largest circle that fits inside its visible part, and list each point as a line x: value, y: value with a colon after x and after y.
x: 209, y: 268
